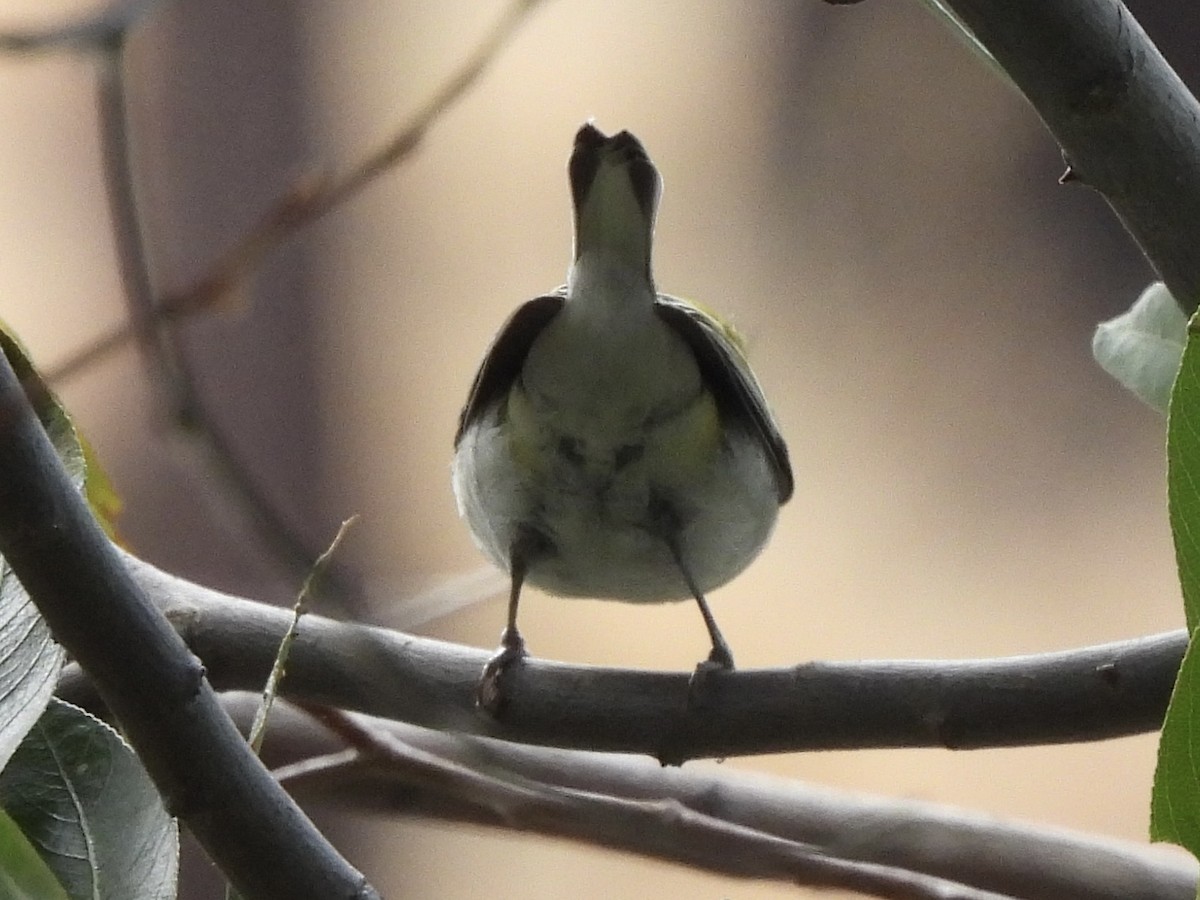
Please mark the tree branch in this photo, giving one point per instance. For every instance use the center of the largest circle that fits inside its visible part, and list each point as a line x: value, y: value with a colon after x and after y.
x: 169, y: 367
x: 974, y: 851
x: 156, y: 689
x: 152, y: 317
x: 1076, y: 695
x: 1126, y: 123
x: 310, y: 198
x: 650, y: 826
x: 160, y: 348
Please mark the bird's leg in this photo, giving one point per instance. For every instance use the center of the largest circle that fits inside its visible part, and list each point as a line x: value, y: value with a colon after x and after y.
x: 667, y: 523
x: 720, y: 656
x: 489, y: 694
x: 669, y: 527
x: 672, y: 751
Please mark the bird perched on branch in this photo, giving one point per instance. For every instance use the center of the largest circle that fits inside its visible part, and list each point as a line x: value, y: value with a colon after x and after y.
x: 615, y: 443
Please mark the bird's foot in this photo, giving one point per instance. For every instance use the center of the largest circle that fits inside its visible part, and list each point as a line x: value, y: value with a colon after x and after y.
x: 489, y: 694
x: 674, y: 747
x: 719, y: 660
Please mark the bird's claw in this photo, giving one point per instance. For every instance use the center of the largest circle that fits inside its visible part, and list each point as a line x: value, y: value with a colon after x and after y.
x: 489, y: 693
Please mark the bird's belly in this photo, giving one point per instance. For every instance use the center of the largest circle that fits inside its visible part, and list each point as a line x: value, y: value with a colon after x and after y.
x: 610, y: 513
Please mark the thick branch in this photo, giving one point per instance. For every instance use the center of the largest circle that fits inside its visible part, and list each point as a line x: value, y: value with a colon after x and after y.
x: 1127, y: 124
x: 1078, y: 695
x: 144, y: 673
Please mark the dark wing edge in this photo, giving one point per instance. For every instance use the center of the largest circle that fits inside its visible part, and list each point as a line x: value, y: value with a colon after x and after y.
x: 504, y: 358
x: 734, y: 386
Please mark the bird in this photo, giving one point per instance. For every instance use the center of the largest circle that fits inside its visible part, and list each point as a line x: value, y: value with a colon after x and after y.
x: 615, y: 443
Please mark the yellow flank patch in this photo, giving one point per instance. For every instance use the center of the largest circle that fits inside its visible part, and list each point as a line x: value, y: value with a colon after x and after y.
x: 523, y: 430
x: 690, y: 440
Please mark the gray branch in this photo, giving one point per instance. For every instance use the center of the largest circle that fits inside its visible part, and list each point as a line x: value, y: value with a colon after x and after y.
x: 156, y: 689
x: 768, y: 816
x: 1127, y: 125
x: 1076, y: 695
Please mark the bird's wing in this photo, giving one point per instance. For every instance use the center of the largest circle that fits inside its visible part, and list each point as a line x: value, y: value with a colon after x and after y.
x: 504, y: 358
x: 724, y: 369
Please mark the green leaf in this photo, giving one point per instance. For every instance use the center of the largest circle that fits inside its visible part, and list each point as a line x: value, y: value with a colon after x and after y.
x: 1175, y: 798
x: 75, y: 452
x: 1183, y: 475
x: 82, y: 798
x: 1141, y: 348
x: 53, y: 417
x: 101, y: 496
x: 23, y: 874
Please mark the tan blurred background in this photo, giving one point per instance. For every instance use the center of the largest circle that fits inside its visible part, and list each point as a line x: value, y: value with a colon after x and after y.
x: 876, y: 211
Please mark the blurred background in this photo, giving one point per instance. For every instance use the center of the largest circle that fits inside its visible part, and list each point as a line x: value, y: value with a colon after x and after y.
x: 875, y: 210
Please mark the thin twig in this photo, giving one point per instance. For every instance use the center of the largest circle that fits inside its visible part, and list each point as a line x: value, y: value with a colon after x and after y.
x: 162, y: 361
x: 163, y: 350
x: 405, y: 140
x: 165, y: 354
x: 285, y: 646
x: 311, y: 198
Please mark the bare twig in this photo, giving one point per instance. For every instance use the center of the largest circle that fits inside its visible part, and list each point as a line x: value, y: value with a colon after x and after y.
x: 299, y: 609
x: 311, y: 198
x: 208, y: 291
x: 658, y: 827
x: 165, y: 355
x: 162, y: 348
x: 407, y: 138
x: 1012, y: 858
x: 155, y: 687
x: 164, y: 362
x: 1077, y: 695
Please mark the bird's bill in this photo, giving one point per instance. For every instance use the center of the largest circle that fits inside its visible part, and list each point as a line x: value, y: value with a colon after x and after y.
x: 615, y: 188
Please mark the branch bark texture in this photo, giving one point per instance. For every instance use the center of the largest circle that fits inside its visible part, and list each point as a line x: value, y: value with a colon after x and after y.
x: 975, y: 851
x: 1077, y: 695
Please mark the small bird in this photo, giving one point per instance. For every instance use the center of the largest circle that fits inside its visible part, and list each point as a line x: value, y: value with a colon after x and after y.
x: 615, y: 443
